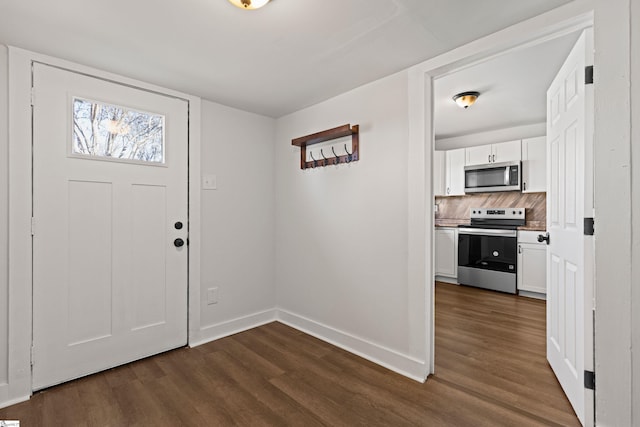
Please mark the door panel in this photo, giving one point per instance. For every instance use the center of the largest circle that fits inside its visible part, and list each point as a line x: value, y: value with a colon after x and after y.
x: 89, y: 245
x: 109, y: 182
x: 569, y: 296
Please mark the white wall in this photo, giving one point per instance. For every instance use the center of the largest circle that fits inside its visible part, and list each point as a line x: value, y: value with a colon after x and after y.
x: 492, y: 137
x: 616, y: 238
x: 238, y: 221
x: 341, y: 231
x: 4, y: 210
x: 634, y: 18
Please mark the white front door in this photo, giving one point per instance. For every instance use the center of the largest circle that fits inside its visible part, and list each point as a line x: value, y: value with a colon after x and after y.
x: 569, y: 201
x: 109, y: 189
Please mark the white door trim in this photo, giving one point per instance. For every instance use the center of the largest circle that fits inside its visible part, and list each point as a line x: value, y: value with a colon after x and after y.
x: 20, y: 208
x: 555, y: 23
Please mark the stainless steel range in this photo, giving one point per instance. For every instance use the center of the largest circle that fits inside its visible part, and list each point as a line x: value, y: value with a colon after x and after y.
x: 487, y: 249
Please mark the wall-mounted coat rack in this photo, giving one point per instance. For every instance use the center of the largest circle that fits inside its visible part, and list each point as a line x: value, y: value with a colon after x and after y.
x: 332, y: 159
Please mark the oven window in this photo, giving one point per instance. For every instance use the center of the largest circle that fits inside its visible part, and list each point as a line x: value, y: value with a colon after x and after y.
x: 487, y: 252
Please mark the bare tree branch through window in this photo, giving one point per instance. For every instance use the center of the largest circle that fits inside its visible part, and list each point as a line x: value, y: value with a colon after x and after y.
x: 105, y: 130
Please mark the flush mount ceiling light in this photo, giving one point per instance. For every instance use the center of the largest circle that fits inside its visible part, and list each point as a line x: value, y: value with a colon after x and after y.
x: 249, y: 4
x: 466, y: 99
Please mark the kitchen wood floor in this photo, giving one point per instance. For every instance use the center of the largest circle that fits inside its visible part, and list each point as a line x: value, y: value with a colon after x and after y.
x: 490, y: 371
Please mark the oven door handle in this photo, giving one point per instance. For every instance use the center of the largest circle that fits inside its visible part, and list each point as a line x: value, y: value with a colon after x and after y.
x: 488, y: 232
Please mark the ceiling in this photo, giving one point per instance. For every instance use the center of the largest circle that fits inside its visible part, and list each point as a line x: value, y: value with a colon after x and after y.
x: 272, y: 61
x: 512, y: 86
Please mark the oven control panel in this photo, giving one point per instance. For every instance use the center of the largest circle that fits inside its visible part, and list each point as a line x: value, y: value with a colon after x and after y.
x: 497, y: 213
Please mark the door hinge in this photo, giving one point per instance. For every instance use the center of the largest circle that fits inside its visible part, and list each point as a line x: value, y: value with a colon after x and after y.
x: 33, y: 96
x: 33, y: 355
x: 588, y: 75
x: 589, y: 380
x: 589, y: 227
x: 33, y: 226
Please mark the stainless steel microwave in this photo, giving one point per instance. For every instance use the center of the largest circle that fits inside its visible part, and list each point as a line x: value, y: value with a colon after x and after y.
x: 492, y: 177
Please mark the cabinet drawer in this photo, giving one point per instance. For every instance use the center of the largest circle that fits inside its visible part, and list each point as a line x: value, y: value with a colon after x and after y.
x: 530, y: 237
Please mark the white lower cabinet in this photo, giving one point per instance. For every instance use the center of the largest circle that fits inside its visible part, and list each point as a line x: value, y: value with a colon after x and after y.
x: 446, y: 252
x: 532, y: 263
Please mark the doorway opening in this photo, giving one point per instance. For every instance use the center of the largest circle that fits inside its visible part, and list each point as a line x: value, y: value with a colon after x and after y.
x: 459, y: 135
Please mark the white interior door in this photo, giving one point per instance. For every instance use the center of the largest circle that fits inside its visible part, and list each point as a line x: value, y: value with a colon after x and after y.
x: 109, y: 186
x: 569, y: 201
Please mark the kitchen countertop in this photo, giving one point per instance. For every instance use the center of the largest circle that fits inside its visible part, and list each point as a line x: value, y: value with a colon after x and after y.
x: 530, y: 226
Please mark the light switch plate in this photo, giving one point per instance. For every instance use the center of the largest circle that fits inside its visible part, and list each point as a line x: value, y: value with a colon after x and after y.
x: 212, y: 296
x: 209, y: 182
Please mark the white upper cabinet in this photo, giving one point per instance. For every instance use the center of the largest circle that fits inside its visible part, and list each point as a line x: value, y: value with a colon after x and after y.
x: 478, y: 155
x: 534, y: 165
x: 439, y: 169
x: 493, y: 153
x: 506, y: 152
x: 454, y: 174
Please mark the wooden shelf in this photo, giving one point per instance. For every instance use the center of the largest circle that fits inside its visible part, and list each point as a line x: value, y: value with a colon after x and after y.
x: 327, y: 135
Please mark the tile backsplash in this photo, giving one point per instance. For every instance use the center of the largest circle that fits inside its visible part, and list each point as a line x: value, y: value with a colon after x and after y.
x: 455, y: 209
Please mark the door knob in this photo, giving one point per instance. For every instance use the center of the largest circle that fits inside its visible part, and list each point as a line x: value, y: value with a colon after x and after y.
x: 543, y: 238
x: 178, y: 225
x: 178, y: 243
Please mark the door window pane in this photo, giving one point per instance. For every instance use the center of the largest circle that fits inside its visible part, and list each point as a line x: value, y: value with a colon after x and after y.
x: 117, y: 133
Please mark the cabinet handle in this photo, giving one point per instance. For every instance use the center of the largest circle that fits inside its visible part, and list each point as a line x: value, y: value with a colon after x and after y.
x: 489, y: 159
x: 524, y: 186
x: 494, y: 158
x: 519, y: 249
x: 448, y: 190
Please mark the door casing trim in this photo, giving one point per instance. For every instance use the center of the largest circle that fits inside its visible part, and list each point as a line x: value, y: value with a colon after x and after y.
x: 21, y: 202
x: 555, y: 23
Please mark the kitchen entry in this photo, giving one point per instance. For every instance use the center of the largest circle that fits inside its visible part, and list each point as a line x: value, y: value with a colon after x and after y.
x: 109, y: 224
x: 551, y: 251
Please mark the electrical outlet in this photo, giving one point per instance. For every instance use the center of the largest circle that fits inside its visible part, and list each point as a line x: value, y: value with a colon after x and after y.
x: 212, y: 296
x: 209, y: 182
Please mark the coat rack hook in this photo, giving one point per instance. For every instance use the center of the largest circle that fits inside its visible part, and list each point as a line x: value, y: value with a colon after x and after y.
x: 337, y: 157
x: 312, y: 158
x: 325, y: 159
x: 349, y: 155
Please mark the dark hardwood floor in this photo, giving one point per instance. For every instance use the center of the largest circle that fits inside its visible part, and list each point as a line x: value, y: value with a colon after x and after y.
x: 490, y: 371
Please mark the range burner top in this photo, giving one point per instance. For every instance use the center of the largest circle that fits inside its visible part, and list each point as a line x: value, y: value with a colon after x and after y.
x: 491, y: 226
x: 503, y: 218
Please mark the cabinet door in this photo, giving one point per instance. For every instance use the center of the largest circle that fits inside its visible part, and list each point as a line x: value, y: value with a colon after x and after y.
x: 446, y: 252
x: 439, y: 180
x: 534, y: 165
x: 455, y: 172
x: 532, y: 268
x: 506, y: 152
x: 479, y: 155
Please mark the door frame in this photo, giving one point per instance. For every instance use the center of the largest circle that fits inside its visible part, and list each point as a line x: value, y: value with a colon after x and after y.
x: 21, y: 202
x: 555, y: 23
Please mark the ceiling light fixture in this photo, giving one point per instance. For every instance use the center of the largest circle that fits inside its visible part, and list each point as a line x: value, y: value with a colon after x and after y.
x: 249, y: 4
x: 466, y: 99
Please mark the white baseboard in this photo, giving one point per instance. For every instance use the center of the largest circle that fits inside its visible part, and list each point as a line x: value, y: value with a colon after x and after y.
x: 401, y: 363
x: 445, y: 279
x: 5, y: 403
x: 535, y: 295
x: 220, y: 330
